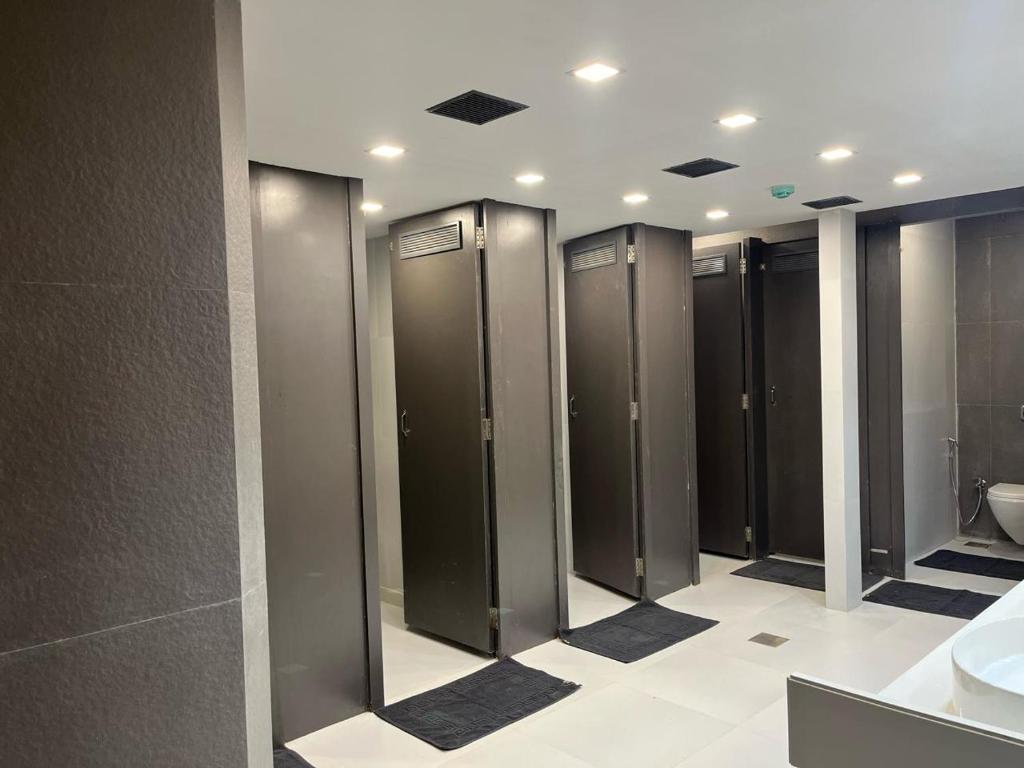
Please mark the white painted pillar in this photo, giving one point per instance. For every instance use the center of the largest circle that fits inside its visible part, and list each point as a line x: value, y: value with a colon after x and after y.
x: 837, y: 283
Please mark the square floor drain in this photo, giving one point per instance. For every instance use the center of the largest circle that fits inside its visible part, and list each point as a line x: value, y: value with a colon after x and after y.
x: 978, y: 544
x: 772, y: 641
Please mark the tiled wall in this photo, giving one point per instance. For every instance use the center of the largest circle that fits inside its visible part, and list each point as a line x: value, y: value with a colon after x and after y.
x: 990, y: 357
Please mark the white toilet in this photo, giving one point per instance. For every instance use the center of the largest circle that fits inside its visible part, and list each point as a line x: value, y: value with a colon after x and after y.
x: 1007, y: 503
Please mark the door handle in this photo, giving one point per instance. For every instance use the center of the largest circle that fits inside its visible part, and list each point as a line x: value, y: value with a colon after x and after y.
x: 573, y: 413
x: 771, y: 395
x: 403, y: 424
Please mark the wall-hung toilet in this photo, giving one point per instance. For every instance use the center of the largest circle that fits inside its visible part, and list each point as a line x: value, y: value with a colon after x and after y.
x: 1007, y: 503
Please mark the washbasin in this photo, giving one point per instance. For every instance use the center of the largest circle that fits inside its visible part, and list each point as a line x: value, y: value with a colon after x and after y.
x: 988, y: 674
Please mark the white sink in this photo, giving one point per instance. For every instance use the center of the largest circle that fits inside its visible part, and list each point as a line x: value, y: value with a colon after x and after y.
x: 988, y: 674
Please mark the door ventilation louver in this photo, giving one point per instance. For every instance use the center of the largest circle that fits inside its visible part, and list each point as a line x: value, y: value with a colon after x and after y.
x: 703, y: 167
x: 795, y: 262
x: 832, y: 202
x: 447, y: 237
x: 705, y: 266
x: 477, y: 108
x: 602, y: 256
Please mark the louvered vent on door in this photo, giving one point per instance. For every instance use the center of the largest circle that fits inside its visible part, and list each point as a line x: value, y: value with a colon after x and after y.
x: 705, y: 266
x: 601, y: 256
x: 795, y: 262
x: 447, y: 237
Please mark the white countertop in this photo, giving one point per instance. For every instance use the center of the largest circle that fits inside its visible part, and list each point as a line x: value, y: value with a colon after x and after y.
x: 928, y: 685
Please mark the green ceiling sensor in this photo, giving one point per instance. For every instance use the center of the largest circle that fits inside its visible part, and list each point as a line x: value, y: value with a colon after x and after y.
x: 782, y: 191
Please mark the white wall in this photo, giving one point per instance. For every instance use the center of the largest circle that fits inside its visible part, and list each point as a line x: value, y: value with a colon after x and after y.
x: 929, y: 382
x: 385, y: 421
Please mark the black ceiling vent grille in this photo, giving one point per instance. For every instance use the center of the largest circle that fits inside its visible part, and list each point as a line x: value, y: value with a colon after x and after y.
x: 477, y: 108
x: 795, y: 262
x: 705, y: 266
x: 832, y: 202
x: 447, y: 237
x: 703, y: 167
x: 602, y: 256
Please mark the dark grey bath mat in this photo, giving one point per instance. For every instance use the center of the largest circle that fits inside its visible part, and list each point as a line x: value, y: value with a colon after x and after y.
x: 806, y: 575
x: 636, y: 632
x: 958, y: 603
x: 979, y: 565
x: 476, y: 705
x: 285, y: 758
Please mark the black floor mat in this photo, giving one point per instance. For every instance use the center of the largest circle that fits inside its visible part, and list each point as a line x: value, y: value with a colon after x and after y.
x: 806, y: 575
x: 958, y: 603
x: 474, y: 706
x: 636, y: 632
x: 285, y: 758
x: 979, y: 565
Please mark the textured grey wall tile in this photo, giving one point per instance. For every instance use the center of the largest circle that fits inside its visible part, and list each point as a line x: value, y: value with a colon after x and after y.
x: 974, y: 431
x: 1007, y: 270
x: 165, y: 693
x: 1007, y: 445
x: 994, y: 225
x: 973, y: 300
x: 1008, y: 363
x: 973, y: 358
x: 112, y: 117
x: 117, y: 468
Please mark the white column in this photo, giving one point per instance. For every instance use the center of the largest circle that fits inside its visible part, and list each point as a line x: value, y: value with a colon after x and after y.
x: 837, y: 282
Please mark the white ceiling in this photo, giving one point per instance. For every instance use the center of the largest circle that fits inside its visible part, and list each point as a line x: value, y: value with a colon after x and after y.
x: 934, y: 86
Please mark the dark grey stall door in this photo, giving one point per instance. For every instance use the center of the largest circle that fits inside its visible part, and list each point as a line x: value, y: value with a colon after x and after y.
x: 793, y: 384
x: 439, y: 373
x: 719, y: 381
x: 602, y: 452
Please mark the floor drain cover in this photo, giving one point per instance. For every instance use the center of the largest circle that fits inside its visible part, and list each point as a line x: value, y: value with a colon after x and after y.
x: 978, y: 544
x: 772, y: 641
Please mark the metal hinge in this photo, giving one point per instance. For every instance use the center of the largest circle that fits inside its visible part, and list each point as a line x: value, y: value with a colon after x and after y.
x: 634, y: 411
x: 631, y: 254
x: 748, y: 534
x: 743, y: 265
x: 492, y: 617
x: 639, y: 566
x: 745, y: 401
x: 391, y: 246
x: 488, y: 427
x: 480, y: 238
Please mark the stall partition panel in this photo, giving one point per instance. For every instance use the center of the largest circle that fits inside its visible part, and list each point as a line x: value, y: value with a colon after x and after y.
x: 793, y: 411
x: 600, y: 369
x: 721, y: 400
x: 440, y: 361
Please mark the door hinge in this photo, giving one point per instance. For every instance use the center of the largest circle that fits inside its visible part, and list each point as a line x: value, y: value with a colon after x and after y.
x: 480, y: 238
x: 488, y: 428
x: 391, y: 246
x: 743, y: 265
x: 631, y: 254
x: 492, y: 617
x: 634, y: 411
x: 748, y: 534
x: 639, y: 566
x: 745, y: 401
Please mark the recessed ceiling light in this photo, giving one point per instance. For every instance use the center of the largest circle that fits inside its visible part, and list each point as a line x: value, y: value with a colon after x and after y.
x: 717, y: 213
x: 387, y: 150
x: 737, y: 121
x: 369, y: 206
x: 634, y: 198
x: 529, y: 178
x: 596, y: 72
x: 907, y: 178
x: 836, y: 153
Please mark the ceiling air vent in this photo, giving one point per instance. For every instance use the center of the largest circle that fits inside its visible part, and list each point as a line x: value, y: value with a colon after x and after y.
x: 703, y: 167
x: 832, y: 202
x: 601, y: 256
x: 795, y: 262
x: 447, y: 237
x: 705, y: 266
x: 477, y: 108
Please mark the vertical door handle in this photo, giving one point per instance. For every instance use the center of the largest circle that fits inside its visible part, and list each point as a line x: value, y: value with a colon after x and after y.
x: 573, y: 413
x: 403, y: 424
x: 771, y: 395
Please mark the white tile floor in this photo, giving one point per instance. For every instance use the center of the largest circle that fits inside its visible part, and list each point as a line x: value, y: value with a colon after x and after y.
x: 714, y: 700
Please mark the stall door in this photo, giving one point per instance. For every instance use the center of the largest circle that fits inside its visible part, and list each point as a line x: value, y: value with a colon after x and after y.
x: 793, y: 384
x: 602, y: 436
x: 441, y: 399
x: 719, y: 380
